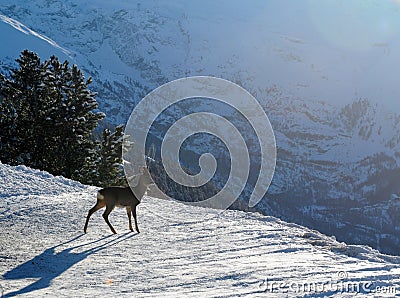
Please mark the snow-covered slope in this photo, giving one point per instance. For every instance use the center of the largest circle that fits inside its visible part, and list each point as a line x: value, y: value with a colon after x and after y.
x: 338, y: 162
x: 131, y: 45
x: 17, y: 37
x: 44, y: 253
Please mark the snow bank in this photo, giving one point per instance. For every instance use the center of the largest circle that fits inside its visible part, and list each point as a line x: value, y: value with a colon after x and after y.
x: 43, y: 251
x: 21, y: 180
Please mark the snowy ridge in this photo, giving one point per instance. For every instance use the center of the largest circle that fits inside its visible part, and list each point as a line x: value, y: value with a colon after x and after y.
x: 21, y: 180
x: 24, y: 29
x: 43, y: 251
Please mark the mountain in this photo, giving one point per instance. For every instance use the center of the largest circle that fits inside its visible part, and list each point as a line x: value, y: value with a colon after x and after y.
x: 181, y: 250
x: 334, y: 109
x: 339, y: 171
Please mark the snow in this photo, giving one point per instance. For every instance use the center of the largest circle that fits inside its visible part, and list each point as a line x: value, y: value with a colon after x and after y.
x: 19, y: 37
x: 22, y: 28
x: 44, y: 253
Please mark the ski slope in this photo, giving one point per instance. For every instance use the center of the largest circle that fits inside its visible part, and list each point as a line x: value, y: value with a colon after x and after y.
x: 44, y: 253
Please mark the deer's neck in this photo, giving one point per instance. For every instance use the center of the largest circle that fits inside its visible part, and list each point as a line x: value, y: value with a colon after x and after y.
x: 140, y: 190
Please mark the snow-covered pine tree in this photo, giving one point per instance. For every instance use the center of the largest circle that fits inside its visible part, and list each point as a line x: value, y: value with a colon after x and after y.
x: 25, y: 98
x: 73, y: 118
x: 103, y: 167
x: 47, y: 116
x: 7, y: 122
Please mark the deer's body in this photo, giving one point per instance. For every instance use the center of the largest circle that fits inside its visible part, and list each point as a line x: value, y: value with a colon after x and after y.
x: 115, y: 196
x: 118, y: 196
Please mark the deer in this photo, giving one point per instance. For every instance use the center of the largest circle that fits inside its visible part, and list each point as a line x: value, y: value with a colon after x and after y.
x: 117, y: 196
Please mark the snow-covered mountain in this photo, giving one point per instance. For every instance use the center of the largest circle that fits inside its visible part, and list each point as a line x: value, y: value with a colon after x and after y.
x: 44, y: 252
x: 128, y: 45
x: 338, y: 156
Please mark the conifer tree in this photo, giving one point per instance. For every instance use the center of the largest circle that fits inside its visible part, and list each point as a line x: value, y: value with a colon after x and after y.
x: 47, y: 116
x: 103, y: 167
x: 24, y: 100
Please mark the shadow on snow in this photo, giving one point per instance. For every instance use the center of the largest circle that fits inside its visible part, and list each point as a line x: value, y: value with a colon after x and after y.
x: 50, y: 264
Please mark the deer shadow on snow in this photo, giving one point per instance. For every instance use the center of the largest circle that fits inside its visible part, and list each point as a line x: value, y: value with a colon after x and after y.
x: 51, y: 264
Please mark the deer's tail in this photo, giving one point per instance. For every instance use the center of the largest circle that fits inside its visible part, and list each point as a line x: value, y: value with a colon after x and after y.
x: 100, y: 197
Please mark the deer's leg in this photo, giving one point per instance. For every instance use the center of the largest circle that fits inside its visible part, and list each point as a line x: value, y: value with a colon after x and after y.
x: 135, y: 218
x: 128, y: 211
x: 100, y: 204
x: 105, y: 216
